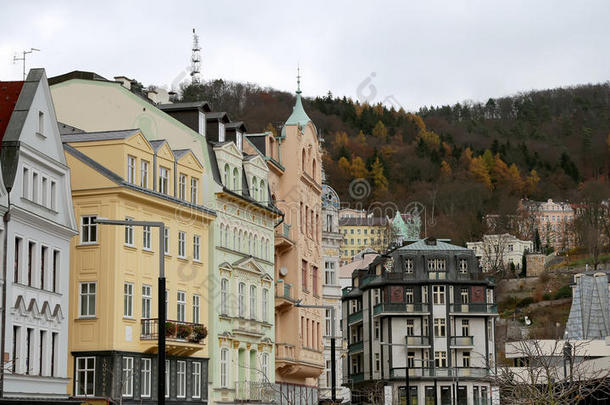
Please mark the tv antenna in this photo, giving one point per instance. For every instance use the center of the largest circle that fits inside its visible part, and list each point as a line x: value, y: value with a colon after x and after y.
x: 195, y: 59
x: 15, y: 58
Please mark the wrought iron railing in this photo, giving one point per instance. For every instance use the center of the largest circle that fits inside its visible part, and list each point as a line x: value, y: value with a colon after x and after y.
x: 174, y: 330
x: 254, y: 391
x: 477, y: 372
x: 475, y: 308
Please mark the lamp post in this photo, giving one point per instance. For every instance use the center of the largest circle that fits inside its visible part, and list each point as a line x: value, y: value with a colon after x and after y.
x: 333, y: 357
x: 161, y: 297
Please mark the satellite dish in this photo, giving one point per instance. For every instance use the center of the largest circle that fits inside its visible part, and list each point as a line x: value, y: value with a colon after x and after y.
x: 528, y: 322
x: 283, y: 271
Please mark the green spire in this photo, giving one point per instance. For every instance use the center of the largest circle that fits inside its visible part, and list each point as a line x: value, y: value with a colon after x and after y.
x: 298, y: 116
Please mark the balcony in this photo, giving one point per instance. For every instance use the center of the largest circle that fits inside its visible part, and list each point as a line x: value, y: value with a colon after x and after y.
x: 247, y: 327
x: 453, y: 372
x: 283, y: 296
x: 461, y: 341
x: 354, y: 317
x: 182, y: 338
x: 400, y: 308
x: 417, y: 341
x: 283, y: 240
x: 296, y: 362
x: 356, y: 347
x: 474, y: 309
x: 248, y: 391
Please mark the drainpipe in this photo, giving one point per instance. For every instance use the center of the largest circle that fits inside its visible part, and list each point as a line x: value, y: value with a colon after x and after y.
x: 5, y: 219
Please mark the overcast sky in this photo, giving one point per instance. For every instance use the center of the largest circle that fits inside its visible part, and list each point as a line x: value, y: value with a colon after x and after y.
x: 405, y: 52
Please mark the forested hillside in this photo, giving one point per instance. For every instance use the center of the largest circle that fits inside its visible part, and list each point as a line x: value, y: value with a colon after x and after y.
x: 460, y: 161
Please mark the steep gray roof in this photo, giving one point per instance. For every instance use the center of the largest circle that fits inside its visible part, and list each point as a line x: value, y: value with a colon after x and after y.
x: 98, y: 136
x: 65, y: 129
x: 156, y: 144
x: 440, y: 244
x: 201, y: 105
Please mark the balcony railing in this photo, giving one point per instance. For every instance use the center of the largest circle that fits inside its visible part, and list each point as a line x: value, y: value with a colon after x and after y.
x: 476, y: 372
x: 417, y: 341
x: 174, y: 330
x: 283, y: 290
x: 462, y: 341
x: 286, y: 230
x: 475, y: 308
x: 355, y: 317
x: 356, y: 347
x: 400, y: 308
x: 254, y: 391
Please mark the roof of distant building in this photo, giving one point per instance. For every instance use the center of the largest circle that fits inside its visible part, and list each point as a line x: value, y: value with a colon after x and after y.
x: 369, y: 221
x: 98, y: 136
x: 9, y: 93
x: 432, y: 244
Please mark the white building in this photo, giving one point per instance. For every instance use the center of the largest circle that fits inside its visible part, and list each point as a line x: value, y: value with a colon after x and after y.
x: 331, y: 295
x: 422, y: 308
x: 500, y: 251
x: 37, y: 234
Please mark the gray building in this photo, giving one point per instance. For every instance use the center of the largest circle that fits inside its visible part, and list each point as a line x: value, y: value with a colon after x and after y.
x: 426, y: 308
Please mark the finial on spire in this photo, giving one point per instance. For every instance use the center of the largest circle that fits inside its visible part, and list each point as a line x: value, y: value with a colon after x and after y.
x: 298, y: 79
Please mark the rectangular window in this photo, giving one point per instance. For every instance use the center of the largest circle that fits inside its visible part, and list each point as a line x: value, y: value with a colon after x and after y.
x: 377, y: 362
x: 127, y: 376
x: 464, y: 295
x: 440, y: 359
x: 224, y: 292
x: 40, y: 122
x: 411, y: 360
x: 166, y: 240
x: 410, y: 327
x: 25, y: 190
x: 329, y: 273
x: 143, y: 173
x: 85, y: 376
x: 182, y: 186
x: 88, y: 232
x: 196, y: 308
x: 463, y: 266
x: 327, y: 320
x: 53, y: 202
x: 163, y: 180
x: 439, y: 327
x: 129, y: 233
x: 409, y: 266
x: 466, y: 359
x: 55, y: 275
x: 31, y: 247
x: 377, y: 330
x: 252, y: 302
x: 128, y: 300
x: 181, y: 379
x: 304, y: 275
x: 265, y: 305
x: 465, y: 327
x: 194, y: 190
x: 146, y: 310
x: 409, y: 295
x: 197, y: 248
x: 87, y: 299
x: 241, y: 295
x: 44, y: 192
x: 146, y: 238
x: 35, y: 187
x: 167, y: 379
x: 224, y: 367
x: 43, y: 266
x: 196, y: 379
x: 131, y: 169
x: 182, y: 244
x: 181, y: 306
x: 145, y: 384
x: 17, y: 264
x: 314, y: 279
x: 54, y: 342
x: 438, y: 294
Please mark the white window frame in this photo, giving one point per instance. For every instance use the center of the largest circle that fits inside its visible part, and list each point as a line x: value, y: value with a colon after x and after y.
x: 241, y: 295
x: 129, y: 233
x: 440, y: 327
x: 181, y: 306
x: 166, y: 244
x: 88, y: 294
x: 196, y: 308
x: 182, y: 186
x: 127, y: 374
x: 86, y: 370
x: 253, y: 298
x: 438, y: 294
x: 265, y: 305
x: 196, y: 248
x: 146, y: 377
x: 409, y: 265
x: 88, y: 229
x: 147, y: 238
x: 194, y: 190
x: 163, y: 180
x: 144, y: 173
x: 131, y: 169
x: 167, y: 376
x: 181, y: 379
x: 224, y: 367
x: 196, y: 379
x: 182, y: 244
x: 224, y: 296
x: 265, y: 367
x: 127, y: 300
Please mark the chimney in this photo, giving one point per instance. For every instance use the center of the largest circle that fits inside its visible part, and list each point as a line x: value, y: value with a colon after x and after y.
x: 153, y: 96
x: 163, y: 96
x: 124, y: 81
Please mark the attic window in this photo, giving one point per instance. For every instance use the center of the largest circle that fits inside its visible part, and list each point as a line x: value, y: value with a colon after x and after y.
x: 431, y: 241
x: 40, y: 122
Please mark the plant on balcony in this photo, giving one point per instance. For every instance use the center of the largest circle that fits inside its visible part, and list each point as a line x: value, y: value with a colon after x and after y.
x: 183, y: 331
x: 170, y: 329
x: 200, y: 332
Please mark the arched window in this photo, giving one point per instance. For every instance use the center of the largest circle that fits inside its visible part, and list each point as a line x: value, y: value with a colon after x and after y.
x: 241, y: 296
x: 235, y: 246
x: 255, y: 245
x: 222, y: 231
x: 236, y: 179
x: 313, y: 169
x: 227, y: 175
x: 250, y: 244
x: 303, y: 160
x: 253, y: 302
x: 263, y: 192
x: 255, y: 188
x: 224, y: 296
x: 239, y: 247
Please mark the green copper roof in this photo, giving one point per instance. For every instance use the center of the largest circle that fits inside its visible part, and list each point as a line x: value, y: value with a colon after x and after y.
x: 298, y: 116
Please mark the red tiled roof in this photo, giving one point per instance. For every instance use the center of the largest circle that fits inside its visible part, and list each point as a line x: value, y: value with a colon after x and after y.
x: 9, y: 93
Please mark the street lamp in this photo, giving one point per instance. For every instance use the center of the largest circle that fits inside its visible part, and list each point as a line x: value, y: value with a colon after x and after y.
x: 333, y: 360
x: 161, y: 297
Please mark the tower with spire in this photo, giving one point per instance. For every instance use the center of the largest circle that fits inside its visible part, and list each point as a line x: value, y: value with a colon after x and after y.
x: 195, y: 59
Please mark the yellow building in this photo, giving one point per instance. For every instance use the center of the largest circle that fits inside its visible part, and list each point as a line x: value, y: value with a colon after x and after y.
x: 362, y: 232
x: 114, y: 269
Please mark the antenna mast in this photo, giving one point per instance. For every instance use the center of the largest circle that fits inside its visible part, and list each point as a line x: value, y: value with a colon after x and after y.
x: 195, y: 59
x: 15, y: 58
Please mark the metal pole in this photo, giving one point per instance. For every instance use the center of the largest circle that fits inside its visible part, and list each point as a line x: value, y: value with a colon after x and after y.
x: 162, y: 317
x: 407, y: 389
x: 333, y: 358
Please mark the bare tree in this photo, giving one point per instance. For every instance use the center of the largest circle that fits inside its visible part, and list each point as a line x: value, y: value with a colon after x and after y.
x: 494, y: 249
x: 552, y: 372
x: 592, y: 224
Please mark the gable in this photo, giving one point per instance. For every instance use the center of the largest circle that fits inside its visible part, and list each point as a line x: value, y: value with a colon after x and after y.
x: 190, y: 160
x: 258, y: 162
x: 139, y: 142
x: 85, y: 177
x: 165, y: 152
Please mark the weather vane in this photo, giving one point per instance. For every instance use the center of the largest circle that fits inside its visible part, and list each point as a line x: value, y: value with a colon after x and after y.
x: 15, y: 58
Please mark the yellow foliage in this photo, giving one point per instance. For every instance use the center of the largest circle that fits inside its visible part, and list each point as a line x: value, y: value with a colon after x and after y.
x: 361, y: 138
x: 344, y: 164
x: 379, y: 179
x: 380, y: 131
x: 418, y: 121
x: 447, y: 148
x: 445, y: 170
x: 532, y: 181
x: 358, y: 110
x: 358, y: 168
x: 271, y: 128
x: 340, y: 140
x: 478, y: 168
x: 431, y: 139
x: 466, y: 157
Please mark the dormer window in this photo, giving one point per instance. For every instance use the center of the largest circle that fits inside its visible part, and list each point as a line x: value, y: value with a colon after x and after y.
x: 463, y: 265
x: 163, y: 179
x: 131, y: 169
x: 437, y: 264
x: 194, y: 190
x: 238, y: 140
x: 262, y: 191
x: 409, y: 266
x: 221, y: 132
x: 254, y: 188
x: 182, y: 186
